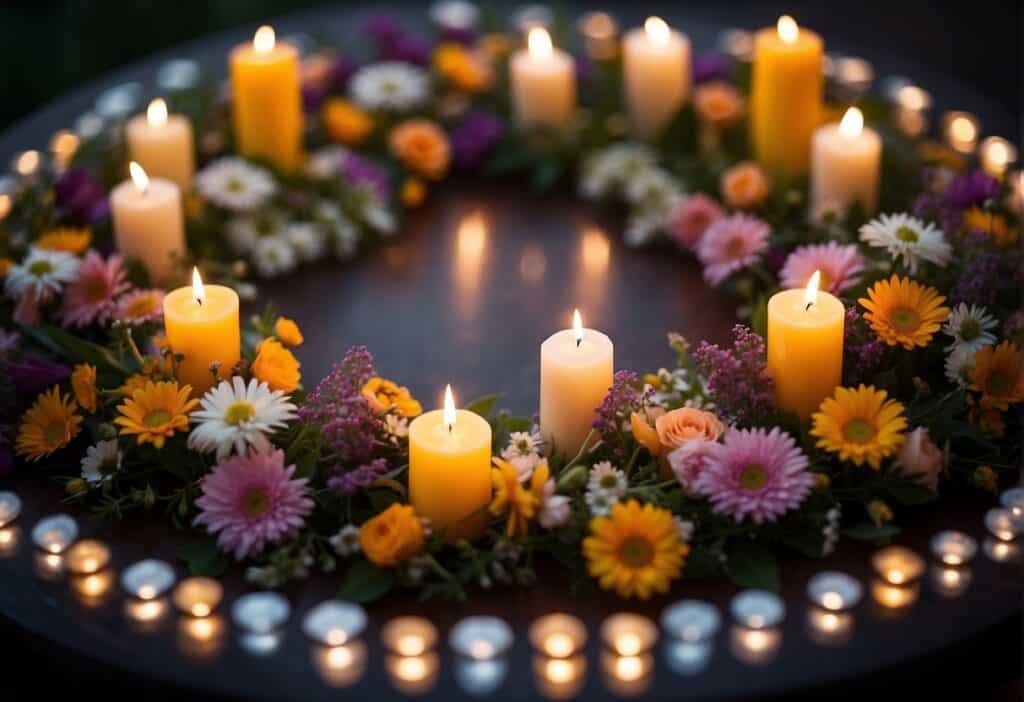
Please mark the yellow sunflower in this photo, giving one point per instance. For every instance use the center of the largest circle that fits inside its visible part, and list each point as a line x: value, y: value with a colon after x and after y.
x: 861, y: 425
x: 155, y: 412
x: 49, y: 424
x: 635, y: 551
x: 519, y: 503
x: 384, y: 394
x: 999, y: 375
x: 135, y: 381
x: 73, y: 241
x: 83, y: 384
x: 904, y: 312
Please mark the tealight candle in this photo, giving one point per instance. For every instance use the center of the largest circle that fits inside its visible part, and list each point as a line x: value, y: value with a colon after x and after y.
x: 148, y: 222
x: 961, y: 130
x: 340, y: 666
x: 26, y: 163
x: 10, y: 537
x: 954, y: 548
x: 1000, y: 524
x: 480, y: 638
x: 629, y: 634
x: 447, y: 448
x: 63, y: 147
x: 834, y: 591
x: 996, y: 154
x: 91, y: 590
x: 686, y: 658
x: 261, y: 613
x: 55, y: 534
x: 600, y: 35
x: 148, y: 579
x: 656, y: 75
x: 409, y: 636
x: 543, y: 82
x: 414, y: 675
x: 805, y: 346
x: 162, y: 144
x: 145, y: 615
x: 558, y: 635
x: 846, y: 163
x: 691, y: 621
x: 853, y: 77
x: 10, y: 508
x: 757, y: 609
x: 197, y: 597
x: 898, y: 565
x: 49, y: 566
x: 951, y: 582
x: 333, y: 623
x: 1012, y: 500
x: 201, y: 638
x: 559, y: 678
x: 87, y: 557
x: 913, y: 98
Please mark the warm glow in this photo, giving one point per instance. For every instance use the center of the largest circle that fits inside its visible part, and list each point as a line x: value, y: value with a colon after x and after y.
x: 538, y: 42
x: 963, y: 129
x: 577, y: 327
x: 911, y: 97
x: 336, y: 637
x: 627, y: 644
x: 27, y: 163
x: 449, y: 408
x: 996, y: 154
x: 629, y: 668
x: 657, y: 31
x: 852, y: 123
x: 596, y: 251
x: 560, y: 670
x: 139, y: 177
x: 264, y: 40
x: 410, y: 645
x: 832, y: 600
x: 789, y: 31
x: 559, y: 645
x: 198, y: 289
x: 811, y: 293
x: 156, y: 113
x: 412, y: 668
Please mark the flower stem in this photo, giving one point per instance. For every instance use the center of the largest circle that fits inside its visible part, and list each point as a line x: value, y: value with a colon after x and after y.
x: 582, y: 452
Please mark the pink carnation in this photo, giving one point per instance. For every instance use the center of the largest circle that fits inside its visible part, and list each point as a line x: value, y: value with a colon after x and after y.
x: 688, y: 461
x: 91, y: 297
x: 691, y: 219
x: 840, y: 266
x: 731, y: 244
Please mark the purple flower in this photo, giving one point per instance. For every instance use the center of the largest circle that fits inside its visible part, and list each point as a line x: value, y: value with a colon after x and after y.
x: 351, y: 482
x: 362, y: 172
x: 862, y: 350
x: 33, y: 375
x: 382, y: 28
x: 969, y: 189
x: 313, y: 95
x: 475, y: 138
x: 584, y: 67
x: 737, y: 379
x: 712, y: 66
x: 394, y: 43
x: 81, y: 197
x: 342, y: 69
x: 622, y: 399
x: 979, y: 283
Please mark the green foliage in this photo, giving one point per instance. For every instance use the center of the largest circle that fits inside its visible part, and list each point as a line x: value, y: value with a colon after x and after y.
x: 365, y: 582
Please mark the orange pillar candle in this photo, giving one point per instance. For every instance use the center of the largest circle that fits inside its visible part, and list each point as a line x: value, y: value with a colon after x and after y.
x: 267, y: 101
x: 785, y: 97
x: 450, y: 469
x: 805, y: 347
x: 201, y: 323
x: 162, y: 144
x: 149, y: 225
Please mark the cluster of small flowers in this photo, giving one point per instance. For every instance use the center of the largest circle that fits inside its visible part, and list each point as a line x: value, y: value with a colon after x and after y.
x: 862, y: 350
x: 738, y: 378
x: 524, y: 451
x: 346, y: 542
x: 623, y: 399
x: 351, y: 482
x: 606, y: 485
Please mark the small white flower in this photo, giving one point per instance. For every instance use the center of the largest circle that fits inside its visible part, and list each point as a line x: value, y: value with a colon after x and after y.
x: 273, y: 255
x: 684, y: 529
x: 554, y: 509
x: 970, y: 326
x: 907, y: 238
x: 307, y: 239
x: 377, y: 216
x: 606, y: 477
x: 600, y: 502
x: 245, y: 231
x: 42, y: 273
x: 326, y: 163
x: 236, y: 416
x: 652, y: 188
x: 234, y: 184
x: 397, y: 427
x: 613, y: 167
x: 101, y: 462
x: 346, y: 542
x: 959, y: 364
x: 521, y: 443
x: 391, y: 85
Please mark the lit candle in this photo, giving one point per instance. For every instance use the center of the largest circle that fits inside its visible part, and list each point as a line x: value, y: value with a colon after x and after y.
x: 334, y: 623
x: 828, y: 628
x: 201, y: 323
x: 894, y: 597
x: 961, y: 130
x: 414, y: 675
x: 1013, y: 500
x: 576, y: 367
x: 448, y: 449
x: 656, y: 75
x: 481, y: 638
x: 954, y: 548
x: 805, y: 346
x: 148, y: 222
x: 267, y: 100
x: 755, y: 646
x: 87, y: 557
x: 148, y: 579
x: 1001, y: 524
x: 629, y: 634
x: 409, y: 636
x: 996, y: 154
x: 558, y: 635
x: 898, y: 565
x: 785, y: 99
x: 951, y: 582
x: 627, y: 676
x: 55, y: 534
x: 162, y: 144
x: 846, y: 160
x: 197, y: 597
x: 543, y: 83
x: 10, y: 507
x: 834, y: 591
x: 340, y: 666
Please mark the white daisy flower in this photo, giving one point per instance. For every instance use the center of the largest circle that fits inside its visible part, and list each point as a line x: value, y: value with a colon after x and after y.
x: 959, y: 364
x: 235, y: 416
x: 342, y: 232
x: 651, y: 187
x: 234, y: 184
x: 245, y: 231
x: 607, y: 478
x: 970, y: 326
x: 684, y: 529
x: 600, y: 502
x: 907, y: 238
x: 391, y: 85
x: 307, y: 239
x: 101, y: 462
x: 274, y: 255
x: 613, y: 167
x: 520, y: 444
x: 346, y: 542
x: 43, y: 273
x: 642, y: 227
x: 326, y: 163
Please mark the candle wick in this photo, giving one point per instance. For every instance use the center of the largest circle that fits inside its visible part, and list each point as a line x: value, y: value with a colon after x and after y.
x: 578, y: 342
x: 809, y: 306
x: 450, y: 427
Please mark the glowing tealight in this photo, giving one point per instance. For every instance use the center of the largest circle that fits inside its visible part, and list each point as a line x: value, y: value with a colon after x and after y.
x: 92, y: 589
x: 757, y: 609
x: 10, y: 536
x: 691, y: 620
x: 1000, y: 523
x: 10, y: 507
x: 1012, y: 499
x: 828, y: 628
x: 340, y: 666
x: 834, y: 591
x: 480, y: 678
x: 953, y: 548
x: 261, y: 613
x: 898, y: 565
x: 913, y: 98
x: 559, y: 678
x: 409, y: 636
x: 55, y: 534
x: 27, y: 163
x: 481, y: 637
x: 951, y: 582
x: 413, y: 675
x: 333, y: 623
x: 197, y: 597
x: 627, y: 676
x: 894, y: 597
x: 201, y: 638
x: 961, y: 130
x: 1003, y: 551
x: 755, y: 647
x: 146, y: 615
x: 148, y: 579
x: 996, y: 155
x: 87, y: 557
x: 558, y: 635
x: 629, y: 634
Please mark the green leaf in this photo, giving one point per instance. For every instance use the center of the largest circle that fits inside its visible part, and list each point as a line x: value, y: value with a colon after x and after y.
x: 204, y: 558
x: 751, y: 565
x: 76, y: 349
x: 380, y: 500
x: 365, y: 582
x: 872, y: 532
x: 483, y: 406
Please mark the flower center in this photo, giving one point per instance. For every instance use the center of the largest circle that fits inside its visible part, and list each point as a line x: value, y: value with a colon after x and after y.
x: 858, y: 431
x: 234, y: 185
x: 904, y: 319
x: 734, y: 249
x: 636, y: 552
x: 255, y: 503
x: 970, y: 329
x: 608, y: 481
x: 54, y: 432
x: 40, y: 268
x: 907, y: 234
x: 96, y: 291
x: 238, y: 412
x: 156, y: 418
x: 753, y: 476
x: 998, y: 384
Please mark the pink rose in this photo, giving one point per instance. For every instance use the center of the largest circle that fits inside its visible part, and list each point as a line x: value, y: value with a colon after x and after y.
x: 692, y: 218
x: 920, y: 458
x: 688, y: 461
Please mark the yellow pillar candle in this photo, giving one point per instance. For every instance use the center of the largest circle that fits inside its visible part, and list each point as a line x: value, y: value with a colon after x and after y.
x: 805, y: 347
x: 846, y: 159
x: 543, y: 81
x: 201, y: 323
x: 785, y: 97
x: 656, y: 75
x: 162, y: 144
x: 576, y: 367
x: 450, y: 469
x: 148, y: 222
x: 267, y: 100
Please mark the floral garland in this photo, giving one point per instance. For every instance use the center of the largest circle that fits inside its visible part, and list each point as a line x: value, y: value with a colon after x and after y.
x: 696, y: 472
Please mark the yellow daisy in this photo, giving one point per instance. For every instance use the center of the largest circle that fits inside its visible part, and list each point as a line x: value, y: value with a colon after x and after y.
x: 83, y: 384
x: 49, y: 424
x: 155, y: 412
x: 135, y: 381
x: 384, y: 394
x: 998, y: 374
x: 512, y: 498
x: 904, y: 312
x: 860, y: 425
x: 73, y: 241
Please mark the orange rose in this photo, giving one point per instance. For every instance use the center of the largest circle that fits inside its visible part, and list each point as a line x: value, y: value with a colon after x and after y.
x: 345, y: 122
x: 288, y: 332
x: 685, y: 424
x: 744, y: 186
x: 276, y: 366
x: 718, y: 104
x: 422, y: 147
x: 392, y: 536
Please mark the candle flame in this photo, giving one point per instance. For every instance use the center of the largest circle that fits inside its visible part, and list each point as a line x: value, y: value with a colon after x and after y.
x: 811, y: 294
x: 538, y: 43
x: 449, y: 408
x: 852, y: 123
x: 657, y: 31
x: 577, y: 327
x: 156, y: 113
x: 789, y: 30
x: 263, y: 41
x: 198, y: 290
x: 139, y: 177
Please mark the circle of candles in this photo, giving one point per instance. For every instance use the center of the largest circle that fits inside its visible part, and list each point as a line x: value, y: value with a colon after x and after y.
x: 197, y: 597
x: 55, y: 534
x: 691, y: 620
x: 757, y: 609
x: 261, y: 612
x: 834, y: 591
x: 10, y: 507
x: 1002, y: 551
x: 87, y: 557
x: 148, y: 579
x: 954, y: 548
x: 996, y: 154
x: 119, y: 101
x: 898, y: 565
x: 178, y: 74
x: 558, y: 635
x: 951, y: 582
x: 1012, y: 500
x: 629, y: 634
x: 481, y: 638
x: 999, y: 522
x: 334, y: 623
x: 409, y: 636
x: 961, y: 131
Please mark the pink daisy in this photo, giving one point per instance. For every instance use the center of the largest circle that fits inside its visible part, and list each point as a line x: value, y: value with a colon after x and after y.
x: 755, y: 473
x: 731, y: 244
x: 253, y: 501
x: 141, y: 306
x: 91, y: 297
x: 692, y: 218
x: 840, y: 266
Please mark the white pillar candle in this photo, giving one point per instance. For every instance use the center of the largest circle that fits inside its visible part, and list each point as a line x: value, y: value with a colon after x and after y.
x: 162, y: 144
x: 846, y: 159
x: 656, y: 75
x: 575, y: 374
x: 148, y: 222
x: 543, y: 82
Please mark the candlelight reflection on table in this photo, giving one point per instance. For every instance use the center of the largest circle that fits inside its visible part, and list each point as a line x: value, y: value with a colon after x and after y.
x: 146, y: 616
x: 951, y: 582
x: 340, y: 666
x: 10, y: 537
x: 414, y: 675
x: 755, y: 647
x: 91, y: 590
x: 627, y: 676
x: 895, y: 600
x: 559, y: 678
x: 828, y: 628
x: 201, y: 638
